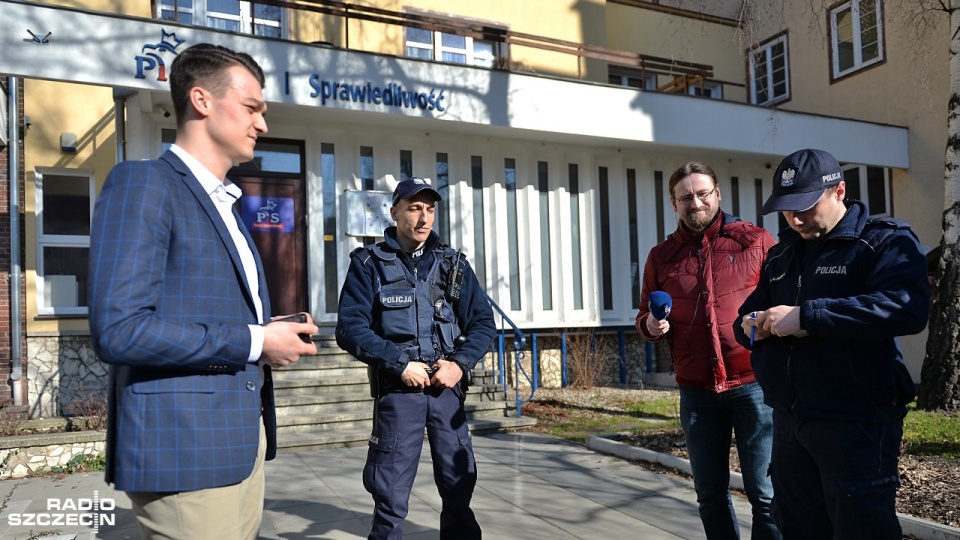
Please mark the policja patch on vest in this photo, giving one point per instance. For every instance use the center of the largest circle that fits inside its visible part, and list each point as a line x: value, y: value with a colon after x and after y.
x: 396, y: 298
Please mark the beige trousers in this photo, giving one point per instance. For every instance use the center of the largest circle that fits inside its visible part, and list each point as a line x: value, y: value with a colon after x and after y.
x: 222, y: 513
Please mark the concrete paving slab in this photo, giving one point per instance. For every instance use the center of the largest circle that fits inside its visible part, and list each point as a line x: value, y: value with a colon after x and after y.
x: 531, y: 487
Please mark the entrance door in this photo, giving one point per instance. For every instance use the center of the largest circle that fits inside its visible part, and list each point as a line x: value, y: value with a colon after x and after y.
x: 272, y: 208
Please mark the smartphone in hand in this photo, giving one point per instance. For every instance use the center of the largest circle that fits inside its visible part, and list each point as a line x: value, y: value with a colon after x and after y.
x: 295, y: 318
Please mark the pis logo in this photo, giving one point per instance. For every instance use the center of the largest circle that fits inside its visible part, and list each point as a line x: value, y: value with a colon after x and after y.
x: 266, y: 213
x: 149, y: 61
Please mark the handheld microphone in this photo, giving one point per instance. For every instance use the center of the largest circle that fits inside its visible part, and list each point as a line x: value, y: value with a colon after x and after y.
x: 660, y: 304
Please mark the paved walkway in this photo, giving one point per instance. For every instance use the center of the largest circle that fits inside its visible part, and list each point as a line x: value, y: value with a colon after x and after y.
x: 531, y: 486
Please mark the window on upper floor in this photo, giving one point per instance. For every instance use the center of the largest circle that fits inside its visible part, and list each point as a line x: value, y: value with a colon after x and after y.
x: 452, y: 48
x: 710, y: 89
x: 769, y: 76
x: 64, y: 204
x: 856, y: 36
x: 634, y: 78
x: 648, y: 80
x: 230, y: 15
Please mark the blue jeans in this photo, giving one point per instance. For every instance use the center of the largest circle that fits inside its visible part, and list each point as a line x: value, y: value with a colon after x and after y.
x: 708, y: 419
x: 836, y: 479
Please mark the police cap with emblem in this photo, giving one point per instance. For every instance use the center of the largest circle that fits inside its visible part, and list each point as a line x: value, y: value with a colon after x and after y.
x: 801, y: 179
x: 411, y: 186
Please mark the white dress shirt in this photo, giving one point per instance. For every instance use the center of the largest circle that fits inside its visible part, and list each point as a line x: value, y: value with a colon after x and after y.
x: 224, y: 195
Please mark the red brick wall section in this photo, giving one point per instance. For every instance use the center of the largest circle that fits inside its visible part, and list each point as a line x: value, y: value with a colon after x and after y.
x: 6, y: 392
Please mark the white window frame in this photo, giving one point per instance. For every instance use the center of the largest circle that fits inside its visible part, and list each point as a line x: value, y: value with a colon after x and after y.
x: 710, y: 89
x: 766, y: 49
x: 201, y: 14
x: 473, y: 57
x: 857, y: 33
x: 624, y: 74
x: 58, y: 240
x: 865, y: 188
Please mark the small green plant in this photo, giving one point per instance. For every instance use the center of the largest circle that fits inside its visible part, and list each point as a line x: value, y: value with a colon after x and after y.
x: 81, y: 462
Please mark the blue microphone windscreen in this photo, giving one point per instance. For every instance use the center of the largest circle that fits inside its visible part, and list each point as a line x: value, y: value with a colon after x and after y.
x: 660, y: 304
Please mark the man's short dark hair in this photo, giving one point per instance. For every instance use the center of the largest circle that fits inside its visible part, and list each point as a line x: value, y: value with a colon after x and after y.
x: 204, y: 65
x: 685, y: 170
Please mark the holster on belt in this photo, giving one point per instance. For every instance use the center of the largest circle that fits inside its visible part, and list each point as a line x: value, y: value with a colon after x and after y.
x: 383, y: 382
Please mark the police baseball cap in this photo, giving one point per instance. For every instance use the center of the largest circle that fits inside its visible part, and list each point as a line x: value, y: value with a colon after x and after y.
x: 801, y: 179
x: 410, y: 187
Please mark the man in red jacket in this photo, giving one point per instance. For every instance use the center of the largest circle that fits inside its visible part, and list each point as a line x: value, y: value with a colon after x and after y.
x: 709, y: 265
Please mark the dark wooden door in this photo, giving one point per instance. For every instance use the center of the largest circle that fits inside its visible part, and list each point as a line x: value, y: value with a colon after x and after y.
x: 272, y: 208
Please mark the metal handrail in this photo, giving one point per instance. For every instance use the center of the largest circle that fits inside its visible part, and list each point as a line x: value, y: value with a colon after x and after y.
x: 519, y: 343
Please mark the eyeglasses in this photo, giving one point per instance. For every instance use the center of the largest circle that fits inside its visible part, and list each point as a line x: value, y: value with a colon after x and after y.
x: 704, y: 196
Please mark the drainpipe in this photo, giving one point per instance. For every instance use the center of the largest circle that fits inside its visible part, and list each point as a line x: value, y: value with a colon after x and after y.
x: 120, y: 96
x: 13, y: 159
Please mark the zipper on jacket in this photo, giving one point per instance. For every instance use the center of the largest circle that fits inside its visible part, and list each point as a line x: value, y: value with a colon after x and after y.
x: 796, y: 301
x: 416, y: 302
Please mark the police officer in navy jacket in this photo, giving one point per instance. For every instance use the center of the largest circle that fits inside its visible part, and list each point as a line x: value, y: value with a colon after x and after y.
x: 413, y: 310
x: 833, y: 296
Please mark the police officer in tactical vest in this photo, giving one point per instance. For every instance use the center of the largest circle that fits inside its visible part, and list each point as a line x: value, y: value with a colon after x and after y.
x: 412, y: 309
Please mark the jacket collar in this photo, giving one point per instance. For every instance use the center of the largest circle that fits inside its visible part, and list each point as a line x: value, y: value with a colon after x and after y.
x: 203, y: 198
x: 850, y: 226
x: 715, y: 228
x: 391, y: 243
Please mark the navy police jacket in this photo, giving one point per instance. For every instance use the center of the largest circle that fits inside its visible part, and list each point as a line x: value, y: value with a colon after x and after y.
x: 858, y: 287
x: 392, y: 312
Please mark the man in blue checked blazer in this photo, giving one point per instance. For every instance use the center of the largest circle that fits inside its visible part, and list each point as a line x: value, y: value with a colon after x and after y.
x: 178, y: 304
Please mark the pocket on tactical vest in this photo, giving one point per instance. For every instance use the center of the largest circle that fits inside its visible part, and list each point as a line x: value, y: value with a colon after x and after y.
x: 397, y: 310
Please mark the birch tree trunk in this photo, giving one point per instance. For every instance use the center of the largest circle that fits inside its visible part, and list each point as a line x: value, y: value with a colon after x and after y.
x: 940, y: 376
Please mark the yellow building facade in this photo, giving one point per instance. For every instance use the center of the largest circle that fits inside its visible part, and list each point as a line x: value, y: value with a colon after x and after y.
x: 559, y: 123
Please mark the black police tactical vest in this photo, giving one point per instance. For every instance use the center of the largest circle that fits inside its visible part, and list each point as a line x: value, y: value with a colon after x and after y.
x: 415, y: 313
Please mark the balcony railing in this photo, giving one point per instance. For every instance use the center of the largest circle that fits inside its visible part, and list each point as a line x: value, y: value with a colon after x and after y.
x: 682, y: 75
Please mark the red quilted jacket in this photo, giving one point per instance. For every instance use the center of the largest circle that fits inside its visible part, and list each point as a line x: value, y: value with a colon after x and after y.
x: 708, y: 276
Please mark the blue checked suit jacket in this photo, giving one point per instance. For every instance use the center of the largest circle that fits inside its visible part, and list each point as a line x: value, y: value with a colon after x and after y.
x: 169, y: 309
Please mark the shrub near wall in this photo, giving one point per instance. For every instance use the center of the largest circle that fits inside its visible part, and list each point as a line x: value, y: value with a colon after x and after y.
x: 550, y: 361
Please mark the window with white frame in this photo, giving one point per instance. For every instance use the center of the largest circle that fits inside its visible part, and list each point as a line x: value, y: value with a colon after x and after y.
x: 435, y: 45
x: 870, y: 185
x: 230, y: 15
x: 710, y: 89
x: 769, y: 76
x: 64, y: 207
x: 856, y: 36
x: 634, y: 78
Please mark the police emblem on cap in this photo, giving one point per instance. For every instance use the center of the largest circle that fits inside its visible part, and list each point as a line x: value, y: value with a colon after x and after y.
x: 788, y: 177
